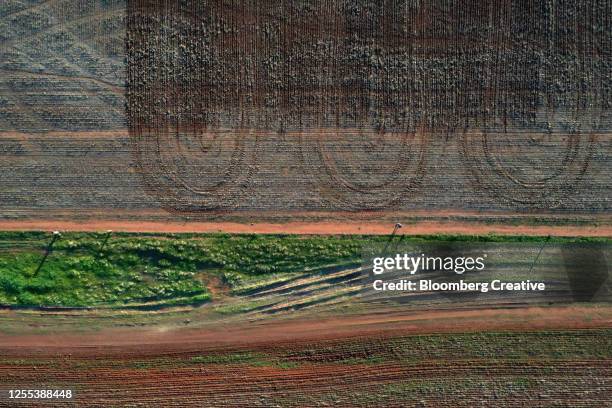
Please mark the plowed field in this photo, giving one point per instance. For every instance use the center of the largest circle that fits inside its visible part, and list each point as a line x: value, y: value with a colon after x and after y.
x: 387, y: 360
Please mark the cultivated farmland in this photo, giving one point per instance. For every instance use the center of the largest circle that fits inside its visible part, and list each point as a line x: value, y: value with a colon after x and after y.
x: 463, y: 111
x: 387, y: 369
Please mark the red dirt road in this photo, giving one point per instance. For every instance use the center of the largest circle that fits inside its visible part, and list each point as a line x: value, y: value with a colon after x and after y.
x: 404, y: 322
x: 352, y: 361
x: 318, y: 228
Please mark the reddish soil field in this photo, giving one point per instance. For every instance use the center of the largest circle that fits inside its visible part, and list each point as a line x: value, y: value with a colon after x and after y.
x: 390, y: 359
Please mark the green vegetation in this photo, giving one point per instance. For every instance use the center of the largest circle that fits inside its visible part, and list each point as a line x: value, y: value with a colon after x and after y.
x: 89, y: 270
x: 237, y: 358
x: 254, y: 359
x: 362, y: 360
x: 239, y: 307
x: 146, y: 270
x: 489, y: 346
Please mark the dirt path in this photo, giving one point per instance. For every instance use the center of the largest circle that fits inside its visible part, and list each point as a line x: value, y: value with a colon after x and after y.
x: 384, y: 322
x: 351, y: 361
x: 331, y: 228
